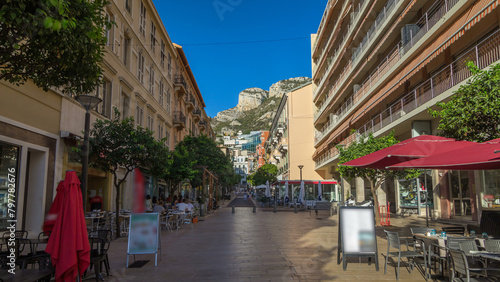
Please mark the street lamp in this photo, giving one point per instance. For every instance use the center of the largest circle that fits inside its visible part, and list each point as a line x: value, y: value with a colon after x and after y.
x: 300, y: 167
x: 88, y: 102
x: 342, y: 202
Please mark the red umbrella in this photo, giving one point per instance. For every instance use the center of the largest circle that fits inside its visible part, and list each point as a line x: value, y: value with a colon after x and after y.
x: 471, y: 157
x: 68, y: 243
x: 410, y: 149
x: 51, y: 217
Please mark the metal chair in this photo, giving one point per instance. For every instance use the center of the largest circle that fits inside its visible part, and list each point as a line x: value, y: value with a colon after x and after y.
x: 461, y: 267
x: 96, y: 256
x: 492, y: 245
x: 105, y: 235
x: 393, y: 241
x: 455, y: 230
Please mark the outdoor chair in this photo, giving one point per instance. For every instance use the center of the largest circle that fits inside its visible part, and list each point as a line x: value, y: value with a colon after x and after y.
x: 44, y: 235
x: 96, y: 257
x: 454, y: 230
x: 393, y: 241
x: 462, y: 271
x: 469, y: 247
x: 492, y: 246
x: 43, y: 261
x: 105, y: 235
x: 454, y: 242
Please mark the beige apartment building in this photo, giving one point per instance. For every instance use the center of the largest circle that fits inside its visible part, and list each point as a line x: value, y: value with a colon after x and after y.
x: 146, y: 77
x: 291, y: 143
x: 378, y: 66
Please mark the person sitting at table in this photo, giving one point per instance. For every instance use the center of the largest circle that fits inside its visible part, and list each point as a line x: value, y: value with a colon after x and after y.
x: 190, y: 206
x: 149, y: 203
x: 182, y: 206
x: 158, y: 207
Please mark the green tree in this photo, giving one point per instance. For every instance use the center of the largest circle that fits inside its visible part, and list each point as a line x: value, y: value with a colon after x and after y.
x: 473, y: 113
x: 117, y: 146
x: 267, y: 172
x: 375, y: 176
x: 55, y: 43
x: 192, y: 153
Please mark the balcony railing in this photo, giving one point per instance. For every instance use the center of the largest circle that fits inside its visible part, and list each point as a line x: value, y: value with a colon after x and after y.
x: 179, y: 119
x: 427, y: 21
x: 329, y: 5
x: 202, y: 123
x: 334, y: 152
x: 483, y: 55
x: 180, y: 84
x: 197, y: 112
x: 190, y: 101
x: 355, y: 15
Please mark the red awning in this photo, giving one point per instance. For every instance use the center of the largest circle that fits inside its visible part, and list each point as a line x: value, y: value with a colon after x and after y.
x: 472, y: 157
x: 413, y: 148
x: 297, y: 182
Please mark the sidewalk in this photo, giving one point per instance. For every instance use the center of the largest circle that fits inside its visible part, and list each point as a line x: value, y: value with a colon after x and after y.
x: 261, y: 246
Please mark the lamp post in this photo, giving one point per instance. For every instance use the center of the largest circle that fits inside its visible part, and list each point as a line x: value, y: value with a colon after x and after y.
x: 88, y: 102
x: 342, y: 202
x: 300, y: 167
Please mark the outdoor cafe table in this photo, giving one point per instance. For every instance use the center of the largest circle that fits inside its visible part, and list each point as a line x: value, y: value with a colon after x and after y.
x: 22, y: 275
x: 94, y: 219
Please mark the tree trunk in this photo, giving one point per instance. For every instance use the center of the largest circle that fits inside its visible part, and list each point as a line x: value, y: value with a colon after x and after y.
x: 117, y: 210
x: 374, y: 188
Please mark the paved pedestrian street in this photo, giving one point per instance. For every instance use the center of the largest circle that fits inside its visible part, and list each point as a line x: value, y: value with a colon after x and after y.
x: 261, y: 246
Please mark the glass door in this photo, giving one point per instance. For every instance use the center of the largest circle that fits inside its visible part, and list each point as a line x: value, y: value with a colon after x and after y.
x: 460, y: 193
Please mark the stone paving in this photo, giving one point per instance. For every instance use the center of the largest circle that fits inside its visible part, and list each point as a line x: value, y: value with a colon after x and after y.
x: 261, y: 246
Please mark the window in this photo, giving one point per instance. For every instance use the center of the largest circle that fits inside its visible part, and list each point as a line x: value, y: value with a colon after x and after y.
x: 140, y: 68
x: 162, y: 54
x: 152, y: 80
x: 125, y: 102
x: 150, y: 122
x: 160, y: 95
x: 167, y: 136
x: 128, y: 6
x: 169, y: 67
x: 126, y: 51
x: 142, y: 20
x: 168, y: 97
x: 107, y: 32
x: 104, y: 92
x: 153, y: 37
x: 160, y: 130
x: 139, y: 114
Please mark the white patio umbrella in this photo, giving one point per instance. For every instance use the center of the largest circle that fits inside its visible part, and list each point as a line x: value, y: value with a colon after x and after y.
x: 268, y: 191
x: 320, y: 192
x: 301, y: 193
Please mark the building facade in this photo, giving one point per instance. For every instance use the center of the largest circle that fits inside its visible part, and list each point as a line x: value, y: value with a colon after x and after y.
x: 378, y: 66
x: 291, y: 143
x: 146, y: 77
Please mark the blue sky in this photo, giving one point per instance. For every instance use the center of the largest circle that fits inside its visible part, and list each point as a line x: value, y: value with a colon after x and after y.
x: 223, y: 70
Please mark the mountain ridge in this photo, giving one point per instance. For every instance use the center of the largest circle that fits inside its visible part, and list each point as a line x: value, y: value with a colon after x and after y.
x: 255, y: 109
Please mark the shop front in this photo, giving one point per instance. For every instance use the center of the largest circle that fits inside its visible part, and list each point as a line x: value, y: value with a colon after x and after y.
x: 330, y: 190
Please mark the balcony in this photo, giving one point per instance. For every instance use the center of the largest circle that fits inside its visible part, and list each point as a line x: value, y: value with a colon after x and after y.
x: 179, y: 120
x: 196, y: 114
x: 190, y: 102
x: 274, y: 141
x: 283, y: 148
x: 180, y: 85
x: 484, y: 54
x: 202, y: 124
x: 280, y: 130
x: 427, y: 21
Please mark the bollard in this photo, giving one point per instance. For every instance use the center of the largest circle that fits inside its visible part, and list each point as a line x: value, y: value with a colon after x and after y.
x: 295, y: 208
x: 274, y: 210
x: 254, y: 208
x: 233, y: 209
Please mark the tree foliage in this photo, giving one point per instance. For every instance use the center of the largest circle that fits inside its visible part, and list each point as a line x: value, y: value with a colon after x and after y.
x: 473, y: 113
x: 376, y: 177
x: 194, y: 152
x: 264, y: 173
x: 115, y: 144
x: 55, y: 43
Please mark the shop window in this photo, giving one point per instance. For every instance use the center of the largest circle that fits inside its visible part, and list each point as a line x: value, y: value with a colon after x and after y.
x: 490, y: 190
x: 9, y: 182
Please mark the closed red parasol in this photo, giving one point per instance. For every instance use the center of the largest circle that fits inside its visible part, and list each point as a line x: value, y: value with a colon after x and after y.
x: 68, y: 243
x: 410, y: 149
x: 472, y: 157
x: 51, y: 217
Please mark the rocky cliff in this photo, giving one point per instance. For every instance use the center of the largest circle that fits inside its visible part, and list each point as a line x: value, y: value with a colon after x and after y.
x: 255, y: 109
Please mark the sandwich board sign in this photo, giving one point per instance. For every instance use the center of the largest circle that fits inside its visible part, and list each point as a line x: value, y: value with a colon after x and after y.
x: 357, y: 234
x: 144, y: 235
